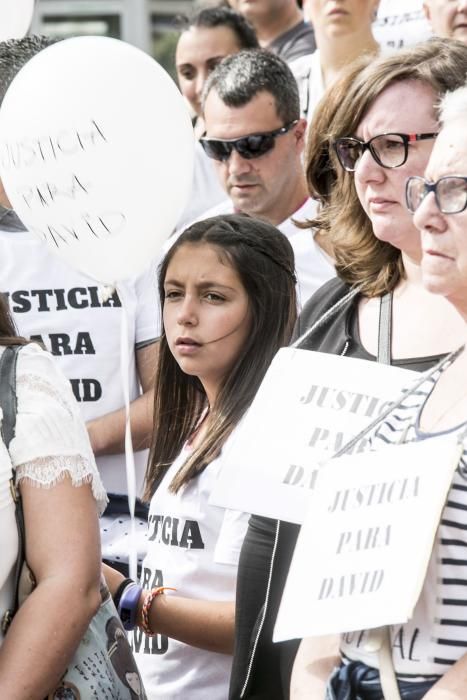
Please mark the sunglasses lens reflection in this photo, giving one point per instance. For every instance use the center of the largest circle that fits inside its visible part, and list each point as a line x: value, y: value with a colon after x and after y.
x: 256, y: 145
x: 218, y: 150
x: 248, y: 147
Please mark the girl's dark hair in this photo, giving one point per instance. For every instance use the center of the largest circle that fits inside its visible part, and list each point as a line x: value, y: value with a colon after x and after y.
x: 8, y: 333
x: 212, y: 17
x: 264, y: 261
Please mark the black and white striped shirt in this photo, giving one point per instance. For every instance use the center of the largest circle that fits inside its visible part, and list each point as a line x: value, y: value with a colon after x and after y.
x: 436, y: 636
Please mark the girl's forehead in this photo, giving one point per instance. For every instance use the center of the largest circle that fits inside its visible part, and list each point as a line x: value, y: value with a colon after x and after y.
x: 200, y: 260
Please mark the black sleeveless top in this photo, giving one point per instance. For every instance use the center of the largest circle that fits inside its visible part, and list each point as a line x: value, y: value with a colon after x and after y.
x: 261, y: 670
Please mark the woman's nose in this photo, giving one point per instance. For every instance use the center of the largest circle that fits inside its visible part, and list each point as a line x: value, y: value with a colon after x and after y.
x: 367, y: 168
x: 427, y: 216
x: 187, y: 312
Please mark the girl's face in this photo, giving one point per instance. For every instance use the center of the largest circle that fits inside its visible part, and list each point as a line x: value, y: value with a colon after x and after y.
x: 337, y: 18
x: 206, y: 314
x: 404, y: 107
x: 199, y: 50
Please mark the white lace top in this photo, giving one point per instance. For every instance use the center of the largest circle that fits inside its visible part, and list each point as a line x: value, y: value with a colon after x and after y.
x: 50, y: 443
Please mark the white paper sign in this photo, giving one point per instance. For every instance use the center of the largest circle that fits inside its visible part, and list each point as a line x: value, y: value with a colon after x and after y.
x: 308, y: 406
x: 364, y: 548
x: 401, y: 23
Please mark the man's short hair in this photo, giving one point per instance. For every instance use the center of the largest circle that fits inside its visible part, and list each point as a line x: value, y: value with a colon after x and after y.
x: 237, y: 79
x: 15, y: 53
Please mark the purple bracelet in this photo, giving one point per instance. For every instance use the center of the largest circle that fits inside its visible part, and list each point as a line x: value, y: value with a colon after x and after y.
x: 128, y: 606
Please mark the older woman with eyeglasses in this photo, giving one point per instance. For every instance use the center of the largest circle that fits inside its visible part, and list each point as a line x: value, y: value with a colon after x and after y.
x: 374, y: 128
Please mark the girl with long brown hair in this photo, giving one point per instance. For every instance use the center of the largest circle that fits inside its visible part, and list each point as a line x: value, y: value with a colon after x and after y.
x: 227, y: 291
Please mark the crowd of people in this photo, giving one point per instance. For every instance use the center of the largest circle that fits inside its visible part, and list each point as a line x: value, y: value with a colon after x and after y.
x: 329, y: 207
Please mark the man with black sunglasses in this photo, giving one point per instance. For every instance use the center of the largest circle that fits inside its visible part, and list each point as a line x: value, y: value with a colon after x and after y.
x: 255, y: 137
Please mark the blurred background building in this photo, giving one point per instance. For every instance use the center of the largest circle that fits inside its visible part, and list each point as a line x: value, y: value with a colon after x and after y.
x: 151, y: 24
x: 148, y: 24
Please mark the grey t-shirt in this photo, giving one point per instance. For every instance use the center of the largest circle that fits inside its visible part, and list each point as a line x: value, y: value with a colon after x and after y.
x: 296, y: 42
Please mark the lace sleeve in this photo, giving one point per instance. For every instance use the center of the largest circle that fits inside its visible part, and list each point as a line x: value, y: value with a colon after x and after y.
x: 51, y: 441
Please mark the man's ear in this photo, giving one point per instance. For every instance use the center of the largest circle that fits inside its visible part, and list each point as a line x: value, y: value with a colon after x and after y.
x: 300, y: 132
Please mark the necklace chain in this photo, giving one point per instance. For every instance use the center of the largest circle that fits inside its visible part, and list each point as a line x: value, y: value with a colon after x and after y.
x: 444, y: 413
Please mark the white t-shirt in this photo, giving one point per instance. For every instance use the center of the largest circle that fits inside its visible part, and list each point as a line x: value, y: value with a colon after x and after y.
x: 313, y: 266
x: 434, y: 638
x: 206, y: 190
x: 309, y: 76
x: 193, y: 547
x: 60, y: 306
x: 50, y: 443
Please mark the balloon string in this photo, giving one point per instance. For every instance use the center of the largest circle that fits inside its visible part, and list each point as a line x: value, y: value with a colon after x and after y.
x: 129, y: 455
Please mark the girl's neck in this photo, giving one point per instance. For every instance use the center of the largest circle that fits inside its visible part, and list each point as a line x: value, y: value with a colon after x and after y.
x: 199, y: 433
x: 334, y: 55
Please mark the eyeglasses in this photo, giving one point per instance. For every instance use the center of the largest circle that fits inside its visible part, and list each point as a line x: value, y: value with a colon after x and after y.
x: 248, y: 147
x: 388, y: 150
x: 450, y: 193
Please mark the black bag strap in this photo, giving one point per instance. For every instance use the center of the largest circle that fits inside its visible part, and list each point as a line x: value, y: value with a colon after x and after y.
x: 8, y: 404
x: 8, y: 392
x: 348, y: 296
x: 385, y: 329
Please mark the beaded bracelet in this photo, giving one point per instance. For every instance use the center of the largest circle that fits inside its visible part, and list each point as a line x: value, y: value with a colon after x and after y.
x: 146, y: 606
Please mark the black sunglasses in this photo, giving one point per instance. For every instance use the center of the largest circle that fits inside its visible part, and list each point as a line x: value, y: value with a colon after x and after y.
x: 450, y: 193
x: 388, y: 150
x: 248, y: 147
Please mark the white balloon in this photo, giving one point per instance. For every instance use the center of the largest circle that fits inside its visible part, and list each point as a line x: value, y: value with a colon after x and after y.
x: 96, y: 154
x: 15, y: 18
